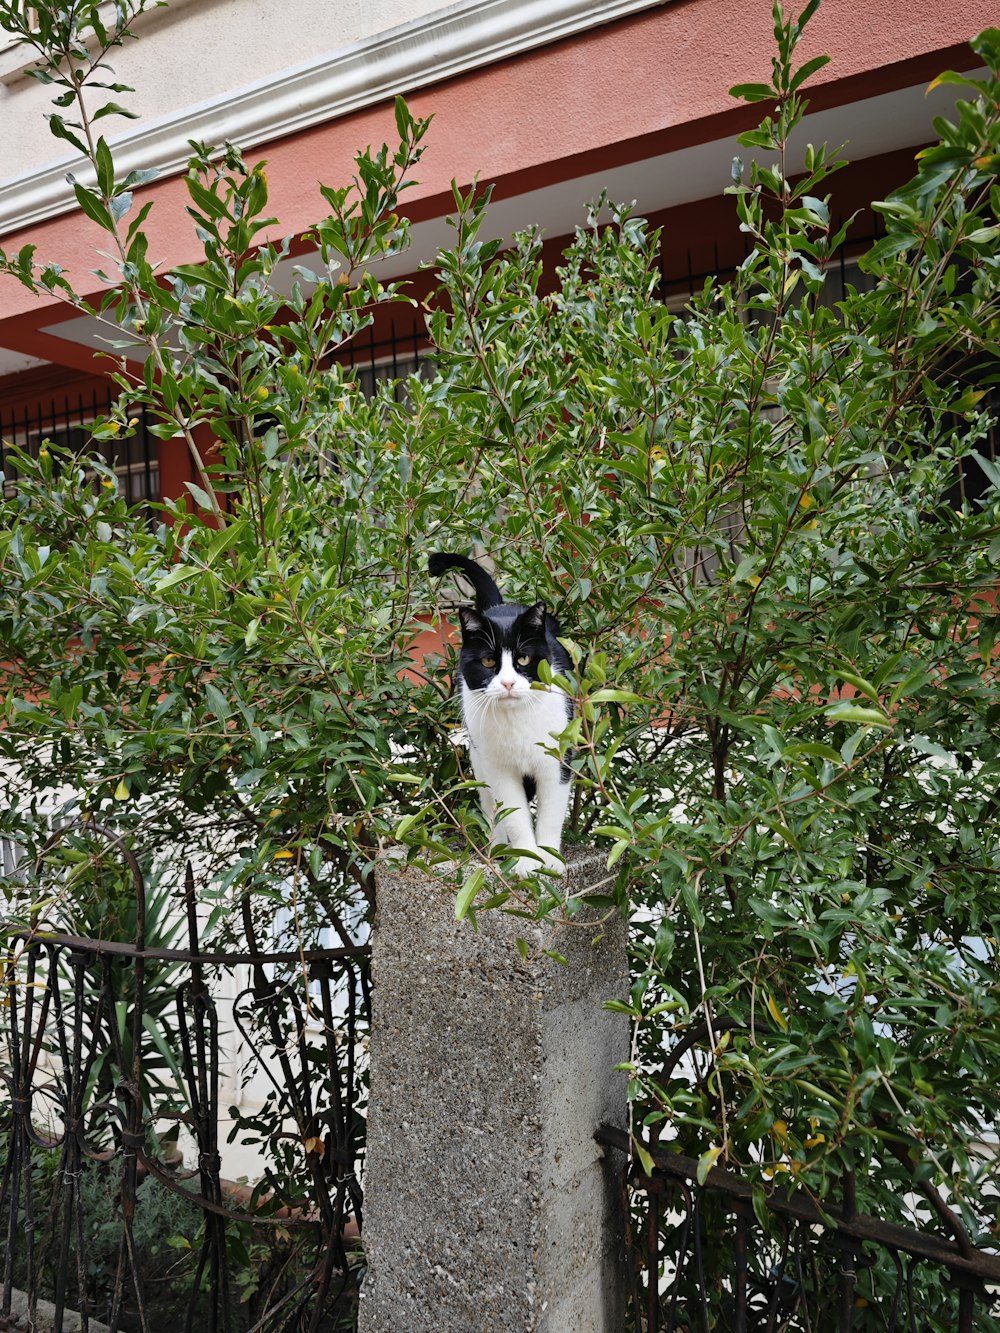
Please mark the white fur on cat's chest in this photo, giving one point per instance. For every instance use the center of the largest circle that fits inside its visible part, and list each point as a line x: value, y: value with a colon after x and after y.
x: 514, y: 733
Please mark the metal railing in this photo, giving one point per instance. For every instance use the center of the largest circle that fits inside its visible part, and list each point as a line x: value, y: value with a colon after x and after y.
x: 80, y: 1019
x: 727, y: 1253
x: 372, y: 360
x: 806, y: 1271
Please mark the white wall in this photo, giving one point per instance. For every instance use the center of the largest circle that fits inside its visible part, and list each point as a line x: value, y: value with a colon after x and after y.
x: 191, y: 51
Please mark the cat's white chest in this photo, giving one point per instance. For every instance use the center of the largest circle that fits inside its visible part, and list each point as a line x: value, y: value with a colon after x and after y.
x: 514, y: 734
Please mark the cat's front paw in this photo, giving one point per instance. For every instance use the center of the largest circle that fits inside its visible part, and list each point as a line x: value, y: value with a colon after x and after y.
x: 552, y: 861
x: 526, y: 866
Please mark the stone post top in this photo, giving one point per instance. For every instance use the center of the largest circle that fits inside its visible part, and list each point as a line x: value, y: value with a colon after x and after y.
x: 415, y: 927
x: 586, y: 871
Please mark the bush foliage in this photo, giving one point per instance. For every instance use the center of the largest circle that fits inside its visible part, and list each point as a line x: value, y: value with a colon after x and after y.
x: 746, y: 516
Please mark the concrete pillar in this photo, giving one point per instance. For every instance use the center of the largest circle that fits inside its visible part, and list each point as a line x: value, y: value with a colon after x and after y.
x: 489, y: 1208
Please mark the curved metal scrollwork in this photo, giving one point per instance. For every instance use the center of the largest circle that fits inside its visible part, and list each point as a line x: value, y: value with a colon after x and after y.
x: 65, y: 1015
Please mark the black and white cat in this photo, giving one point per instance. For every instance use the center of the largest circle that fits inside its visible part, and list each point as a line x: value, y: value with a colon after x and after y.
x: 510, y: 725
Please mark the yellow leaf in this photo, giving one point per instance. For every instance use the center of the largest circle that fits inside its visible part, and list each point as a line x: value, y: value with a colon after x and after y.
x: 121, y: 791
x: 806, y: 501
x: 643, y: 1156
x: 284, y: 855
x: 706, y: 1161
x: 776, y: 1013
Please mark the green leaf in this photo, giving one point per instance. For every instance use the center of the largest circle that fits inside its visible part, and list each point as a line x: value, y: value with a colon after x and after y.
x: 607, y: 696
x: 113, y: 109
x: 706, y: 1161
x: 982, y: 235
x: 950, y: 77
x: 93, y: 207
x: 404, y: 120
x: 105, y: 168
x: 179, y: 574
x: 843, y: 711
x: 62, y: 131
x: 888, y: 248
x: 120, y: 205
x: 467, y: 893
x: 990, y: 469
x: 406, y: 824
x: 807, y: 71
x: 217, y: 702
x: 863, y: 686
x: 753, y: 92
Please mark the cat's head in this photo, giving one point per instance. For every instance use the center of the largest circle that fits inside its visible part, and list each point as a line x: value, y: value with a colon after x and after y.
x: 502, y: 647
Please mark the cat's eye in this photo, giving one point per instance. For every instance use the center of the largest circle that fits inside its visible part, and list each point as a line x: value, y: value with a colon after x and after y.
x: 523, y: 661
x: 488, y: 661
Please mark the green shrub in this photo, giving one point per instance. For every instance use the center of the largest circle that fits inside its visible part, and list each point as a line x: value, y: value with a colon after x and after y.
x: 745, y: 516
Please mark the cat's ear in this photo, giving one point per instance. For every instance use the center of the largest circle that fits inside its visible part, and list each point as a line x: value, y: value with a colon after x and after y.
x: 533, y: 619
x: 472, y: 622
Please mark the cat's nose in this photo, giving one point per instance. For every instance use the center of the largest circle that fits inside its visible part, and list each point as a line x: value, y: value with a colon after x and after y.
x: 508, y: 684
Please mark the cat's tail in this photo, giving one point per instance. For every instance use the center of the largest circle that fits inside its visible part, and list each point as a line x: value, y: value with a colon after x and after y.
x: 487, y: 592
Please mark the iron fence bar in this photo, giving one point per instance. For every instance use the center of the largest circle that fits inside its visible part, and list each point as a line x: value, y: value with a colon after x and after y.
x: 699, y: 1260
x: 740, y: 1292
x: 911, y: 1306
x: 799, y: 1207
x: 846, y: 1272
x: 71, y: 1163
x: 800, y: 1273
x: 675, y: 1287
x: 119, y: 949
x: 653, y: 1264
x: 775, y: 1279
x: 203, y: 1083
x: 897, y: 1292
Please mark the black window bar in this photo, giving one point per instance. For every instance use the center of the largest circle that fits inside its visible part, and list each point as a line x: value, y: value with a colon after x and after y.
x: 67, y: 421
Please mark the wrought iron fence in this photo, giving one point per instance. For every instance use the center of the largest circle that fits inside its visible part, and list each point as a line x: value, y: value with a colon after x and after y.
x: 703, y: 1261
x: 372, y: 360
x: 718, y: 1254
x: 85, y: 1137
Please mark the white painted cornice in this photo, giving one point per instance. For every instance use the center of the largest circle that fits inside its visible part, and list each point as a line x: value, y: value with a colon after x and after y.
x: 454, y: 40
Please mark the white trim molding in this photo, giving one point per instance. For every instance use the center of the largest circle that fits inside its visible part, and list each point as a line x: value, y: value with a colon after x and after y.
x: 453, y: 40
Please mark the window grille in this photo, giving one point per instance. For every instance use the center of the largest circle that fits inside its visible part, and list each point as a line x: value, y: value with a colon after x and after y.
x: 67, y: 422
x: 373, y: 361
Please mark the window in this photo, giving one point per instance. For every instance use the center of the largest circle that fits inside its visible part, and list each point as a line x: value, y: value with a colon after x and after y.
x: 134, y: 459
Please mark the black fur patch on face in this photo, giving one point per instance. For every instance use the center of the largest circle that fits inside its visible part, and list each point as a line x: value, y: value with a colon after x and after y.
x: 527, y: 633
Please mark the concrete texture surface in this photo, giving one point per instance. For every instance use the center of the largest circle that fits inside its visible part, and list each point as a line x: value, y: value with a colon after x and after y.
x: 488, y: 1205
x: 45, y: 1317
